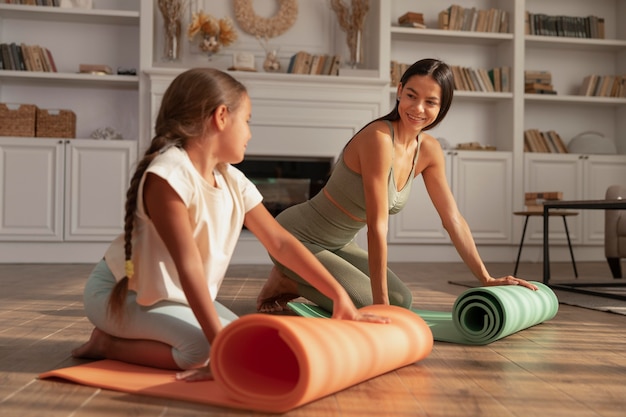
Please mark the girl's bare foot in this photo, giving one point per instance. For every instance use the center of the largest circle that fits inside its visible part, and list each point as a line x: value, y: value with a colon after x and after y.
x: 276, y: 293
x: 95, y: 347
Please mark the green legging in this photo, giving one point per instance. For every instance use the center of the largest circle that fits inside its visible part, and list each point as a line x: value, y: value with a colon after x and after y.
x: 350, y: 268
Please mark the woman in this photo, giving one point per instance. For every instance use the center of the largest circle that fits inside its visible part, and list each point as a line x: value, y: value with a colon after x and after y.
x: 372, y: 179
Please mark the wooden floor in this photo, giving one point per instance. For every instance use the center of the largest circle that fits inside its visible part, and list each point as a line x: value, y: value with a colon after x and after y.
x: 573, y: 365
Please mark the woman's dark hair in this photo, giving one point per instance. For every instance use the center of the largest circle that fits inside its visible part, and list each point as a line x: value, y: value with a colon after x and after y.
x: 441, y: 73
x: 188, y: 102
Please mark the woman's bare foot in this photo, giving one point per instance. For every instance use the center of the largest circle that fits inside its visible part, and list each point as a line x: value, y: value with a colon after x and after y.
x: 95, y: 347
x: 276, y: 293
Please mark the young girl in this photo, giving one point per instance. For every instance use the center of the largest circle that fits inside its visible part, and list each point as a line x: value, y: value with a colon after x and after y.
x: 152, y: 297
x: 372, y: 179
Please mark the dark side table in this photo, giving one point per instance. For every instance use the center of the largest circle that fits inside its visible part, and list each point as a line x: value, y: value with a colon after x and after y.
x: 555, y: 205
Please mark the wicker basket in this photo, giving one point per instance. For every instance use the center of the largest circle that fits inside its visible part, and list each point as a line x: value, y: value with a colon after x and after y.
x: 56, y: 123
x: 17, y: 119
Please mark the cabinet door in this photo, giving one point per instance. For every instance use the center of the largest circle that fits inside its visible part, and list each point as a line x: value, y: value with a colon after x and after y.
x: 97, y: 177
x: 549, y: 172
x: 481, y: 184
x: 419, y: 222
x: 31, y: 189
x: 600, y: 172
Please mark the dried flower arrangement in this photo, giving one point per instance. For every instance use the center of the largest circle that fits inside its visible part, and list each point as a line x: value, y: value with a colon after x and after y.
x: 214, y: 33
x: 351, y: 19
x: 172, y: 11
x: 264, y: 27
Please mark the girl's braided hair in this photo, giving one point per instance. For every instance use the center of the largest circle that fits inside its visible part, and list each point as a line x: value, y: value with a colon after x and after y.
x: 188, y: 102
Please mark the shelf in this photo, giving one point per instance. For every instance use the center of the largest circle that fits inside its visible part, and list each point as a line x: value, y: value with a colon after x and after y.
x: 579, y: 44
x: 571, y: 99
x: 63, y: 78
x: 96, y: 16
x: 436, y: 35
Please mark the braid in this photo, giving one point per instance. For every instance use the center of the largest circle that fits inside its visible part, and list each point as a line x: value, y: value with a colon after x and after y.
x: 120, y: 290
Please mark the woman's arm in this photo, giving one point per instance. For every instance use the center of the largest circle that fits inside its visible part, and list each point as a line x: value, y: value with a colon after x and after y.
x: 287, y: 250
x: 452, y: 220
x: 370, y: 153
x: 171, y: 220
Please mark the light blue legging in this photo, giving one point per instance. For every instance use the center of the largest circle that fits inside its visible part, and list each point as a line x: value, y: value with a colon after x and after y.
x: 168, y: 322
x: 349, y: 265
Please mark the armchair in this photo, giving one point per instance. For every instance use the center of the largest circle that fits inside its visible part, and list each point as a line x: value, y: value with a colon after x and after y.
x: 615, y: 231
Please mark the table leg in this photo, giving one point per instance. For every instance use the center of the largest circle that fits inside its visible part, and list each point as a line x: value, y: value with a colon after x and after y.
x: 546, y: 246
x: 521, y: 243
x: 569, y: 243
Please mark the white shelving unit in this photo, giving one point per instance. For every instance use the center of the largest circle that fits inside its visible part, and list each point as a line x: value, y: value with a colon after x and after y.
x: 78, y: 185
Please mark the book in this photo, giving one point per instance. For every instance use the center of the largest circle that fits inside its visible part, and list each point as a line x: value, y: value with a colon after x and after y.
x: 588, y: 85
x: 558, y: 141
x: 95, y: 68
x: 327, y: 64
x: 36, y: 55
x: 538, y: 86
x: 53, y: 66
x: 335, y: 64
x: 544, y: 195
x: 315, y: 63
x: 17, y: 64
x: 411, y: 19
x: 302, y: 63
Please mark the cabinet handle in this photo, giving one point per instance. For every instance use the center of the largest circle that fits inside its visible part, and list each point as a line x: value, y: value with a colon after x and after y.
x: 60, y: 142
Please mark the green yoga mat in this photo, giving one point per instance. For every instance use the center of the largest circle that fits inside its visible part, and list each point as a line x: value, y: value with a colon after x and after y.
x: 479, y: 315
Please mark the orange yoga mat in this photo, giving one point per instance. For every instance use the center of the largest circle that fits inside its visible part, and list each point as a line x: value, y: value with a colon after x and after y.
x: 277, y: 363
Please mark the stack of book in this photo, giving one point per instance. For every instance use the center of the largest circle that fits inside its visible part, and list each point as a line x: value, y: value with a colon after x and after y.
x: 538, y: 82
x: 565, y: 26
x: 603, y: 86
x: 472, y: 19
x: 546, y: 142
x: 470, y: 79
x: 26, y: 58
x: 412, y: 20
x: 534, y: 201
x: 303, y: 62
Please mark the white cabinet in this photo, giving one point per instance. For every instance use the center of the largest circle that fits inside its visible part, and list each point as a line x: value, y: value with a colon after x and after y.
x: 480, y: 182
x: 63, y: 190
x: 579, y: 177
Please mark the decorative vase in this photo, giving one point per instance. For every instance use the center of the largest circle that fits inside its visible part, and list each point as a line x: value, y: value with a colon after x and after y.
x: 171, y: 11
x: 355, y: 45
x: 171, y: 47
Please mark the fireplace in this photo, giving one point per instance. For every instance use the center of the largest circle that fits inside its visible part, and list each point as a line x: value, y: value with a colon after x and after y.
x: 286, y: 180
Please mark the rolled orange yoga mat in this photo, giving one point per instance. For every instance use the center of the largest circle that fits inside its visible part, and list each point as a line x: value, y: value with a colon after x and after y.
x: 277, y: 363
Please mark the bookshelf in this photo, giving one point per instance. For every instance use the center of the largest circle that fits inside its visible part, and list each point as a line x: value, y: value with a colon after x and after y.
x: 500, y: 119
x: 77, y: 186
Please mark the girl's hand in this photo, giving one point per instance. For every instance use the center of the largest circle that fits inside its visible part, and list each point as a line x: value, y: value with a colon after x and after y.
x: 510, y: 280
x: 198, y: 374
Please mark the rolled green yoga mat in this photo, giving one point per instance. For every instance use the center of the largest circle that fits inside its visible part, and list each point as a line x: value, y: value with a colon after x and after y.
x: 479, y: 315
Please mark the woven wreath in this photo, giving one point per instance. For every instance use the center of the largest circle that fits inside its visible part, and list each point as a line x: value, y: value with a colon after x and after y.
x: 264, y: 27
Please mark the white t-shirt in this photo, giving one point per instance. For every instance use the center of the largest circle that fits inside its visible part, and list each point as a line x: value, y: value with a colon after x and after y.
x: 216, y: 216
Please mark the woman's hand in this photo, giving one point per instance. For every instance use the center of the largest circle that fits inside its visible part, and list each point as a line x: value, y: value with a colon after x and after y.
x: 510, y: 280
x: 347, y: 311
x: 198, y: 374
